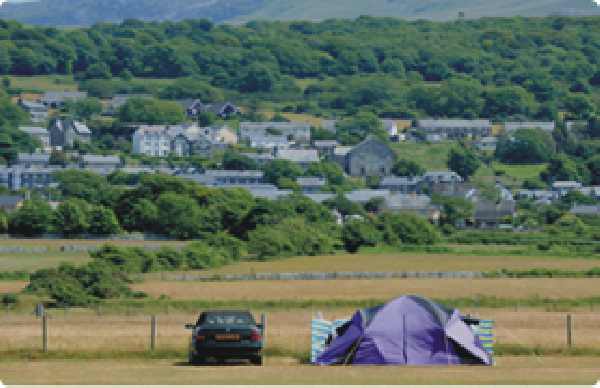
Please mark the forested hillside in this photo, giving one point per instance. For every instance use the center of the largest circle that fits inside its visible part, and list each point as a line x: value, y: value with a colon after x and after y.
x: 490, y: 67
x: 87, y: 12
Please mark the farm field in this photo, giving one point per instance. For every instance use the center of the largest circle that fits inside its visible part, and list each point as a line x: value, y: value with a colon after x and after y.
x: 33, y: 261
x: 475, y: 258
x: 403, y: 261
x: 54, y: 83
x: 509, y: 370
x: 53, y: 254
x: 288, y: 331
x: 365, y: 289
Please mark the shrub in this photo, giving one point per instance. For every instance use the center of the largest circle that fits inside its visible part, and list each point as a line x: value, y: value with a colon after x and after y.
x: 34, y: 218
x: 407, y: 229
x: 357, y: 233
x: 9, y: 299
x: 199, y: 255
x: 292, y: 237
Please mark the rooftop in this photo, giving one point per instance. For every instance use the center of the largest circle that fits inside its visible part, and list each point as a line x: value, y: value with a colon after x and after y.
x: 29, y: 158
x: 101, y: 159
x: 298, y: 156
x: 311, y: 181
x: 544, y: 125
x: 399, y: 180
x: 453, y: 123
x: 235, y: 173
x: 34, y: 130
x: 566, y: 184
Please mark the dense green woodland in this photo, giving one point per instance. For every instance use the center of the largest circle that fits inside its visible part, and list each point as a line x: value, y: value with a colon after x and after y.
x: 498, y: 68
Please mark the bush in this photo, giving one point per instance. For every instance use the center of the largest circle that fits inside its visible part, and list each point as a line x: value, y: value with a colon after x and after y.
x: 10, y: 299
x: 199, y: 255
x: 292, y: 237
x: 34, y: 218
x: 407, y: 229
x: 64, y: 286
x: 358, y: 233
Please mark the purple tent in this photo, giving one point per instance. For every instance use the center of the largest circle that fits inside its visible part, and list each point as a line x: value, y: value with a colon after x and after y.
x: 409, y: 330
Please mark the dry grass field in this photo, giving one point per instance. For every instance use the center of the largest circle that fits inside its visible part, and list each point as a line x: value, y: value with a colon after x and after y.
x: 371, y: 289
x: 11, y: 286
x: 509, y: 370
x: 288, y: 331
x: 406, y: 262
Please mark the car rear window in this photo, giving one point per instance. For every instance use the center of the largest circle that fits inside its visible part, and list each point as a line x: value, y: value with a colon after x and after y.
x: 228, y: 318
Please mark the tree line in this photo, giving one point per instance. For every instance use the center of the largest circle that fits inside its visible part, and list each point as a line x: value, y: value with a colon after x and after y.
x: 497, y: 68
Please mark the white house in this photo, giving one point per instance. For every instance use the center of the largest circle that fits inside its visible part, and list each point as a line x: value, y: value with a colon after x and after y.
x: 152, y: 140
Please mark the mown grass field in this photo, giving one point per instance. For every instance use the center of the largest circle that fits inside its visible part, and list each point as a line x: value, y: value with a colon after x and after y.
x: 33, y: 261
x: 509, y: 370
x: 52, y: 83
x: 432, y: 157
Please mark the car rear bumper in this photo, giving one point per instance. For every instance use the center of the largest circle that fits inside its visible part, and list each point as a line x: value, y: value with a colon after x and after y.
x: 230, y: 351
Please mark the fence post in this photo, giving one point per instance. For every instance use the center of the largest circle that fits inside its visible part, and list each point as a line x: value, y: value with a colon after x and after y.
x: 569, y: 331
x: 45, y: 333
x: 263, y: 321
x: 153, y: 332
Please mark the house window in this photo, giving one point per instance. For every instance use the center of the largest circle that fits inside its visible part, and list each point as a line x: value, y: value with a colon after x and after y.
x: 363, y: 171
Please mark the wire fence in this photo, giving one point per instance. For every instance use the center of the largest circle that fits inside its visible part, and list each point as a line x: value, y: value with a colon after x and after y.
x: 288, y: 331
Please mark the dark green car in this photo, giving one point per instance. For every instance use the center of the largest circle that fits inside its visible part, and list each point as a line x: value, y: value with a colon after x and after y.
x: 223, y: 335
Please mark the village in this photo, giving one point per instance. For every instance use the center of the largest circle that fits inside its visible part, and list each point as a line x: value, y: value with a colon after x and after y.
x: 263, y: 142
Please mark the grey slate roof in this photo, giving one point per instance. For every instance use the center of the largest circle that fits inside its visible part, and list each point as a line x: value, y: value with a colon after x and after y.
x: 548, y: 126
x: 311, y: 181
x: 566, y: 185
x: 442, y: 176
x: 452, y: 123
x: 34, y: 131
x: 408, y: 202
x: 298, y: 156
x: 235, y: 173
x: 342, y: 150
x: 52, y: 97
x: 101, y: 159
x: 325, y: 143
x: 399, y: 180
x: 365, y: 195
x: 81, y: 128
x: 585, y: 210
x: 259, y: 157
x: 33, y: 105
x: 23, y: 158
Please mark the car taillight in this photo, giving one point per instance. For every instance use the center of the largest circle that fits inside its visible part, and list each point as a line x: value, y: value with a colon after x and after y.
x: 255, y: 336
x: 200, y: 338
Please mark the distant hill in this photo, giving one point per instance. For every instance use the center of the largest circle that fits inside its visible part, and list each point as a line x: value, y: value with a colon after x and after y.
x: 85, y: 12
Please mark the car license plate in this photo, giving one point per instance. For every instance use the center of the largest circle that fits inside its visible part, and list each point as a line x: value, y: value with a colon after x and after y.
x: 227, y: 337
